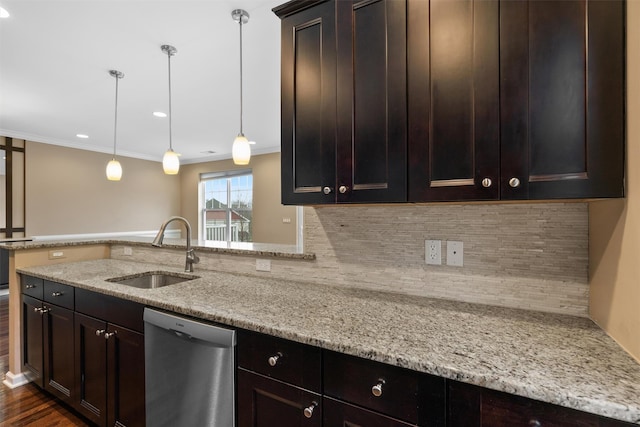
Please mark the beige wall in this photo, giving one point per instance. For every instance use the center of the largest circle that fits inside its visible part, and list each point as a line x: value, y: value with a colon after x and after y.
x: 68, y: 193
x: 614, y: 226
x: 268, y: 212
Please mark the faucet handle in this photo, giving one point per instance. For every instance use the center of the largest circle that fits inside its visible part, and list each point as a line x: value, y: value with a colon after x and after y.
x: 196, y: 258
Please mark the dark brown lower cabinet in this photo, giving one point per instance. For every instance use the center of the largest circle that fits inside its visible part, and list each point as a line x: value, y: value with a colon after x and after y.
x: 109, y: 373
x: 265, y: 402
x: 32, y: 333
x: 84, y: 357
x: 338, y: 413
x: 91, y: 369
x: 58, y: 351
x: 48, y: 347
x: 125, y: 380
x: 472, y: 406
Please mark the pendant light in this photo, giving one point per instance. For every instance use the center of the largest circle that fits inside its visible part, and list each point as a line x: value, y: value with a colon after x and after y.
x: 170, y: 160
x: 241, y: 150
x: 114, y: 170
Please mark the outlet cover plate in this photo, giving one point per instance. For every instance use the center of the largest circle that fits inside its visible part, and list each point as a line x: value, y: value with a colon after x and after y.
x: 455, y: 253
x: 263, y: 265
x: 433, y: 252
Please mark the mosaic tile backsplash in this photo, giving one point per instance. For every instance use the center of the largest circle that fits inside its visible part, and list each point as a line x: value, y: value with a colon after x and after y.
x: 532, y: 256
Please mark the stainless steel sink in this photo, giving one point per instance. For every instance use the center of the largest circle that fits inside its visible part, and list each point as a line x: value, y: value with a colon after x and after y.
x: 152, y: 279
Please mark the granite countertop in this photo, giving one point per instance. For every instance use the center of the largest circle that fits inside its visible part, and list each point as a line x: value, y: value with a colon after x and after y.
x: 233, y: 248
x: 558, y: 359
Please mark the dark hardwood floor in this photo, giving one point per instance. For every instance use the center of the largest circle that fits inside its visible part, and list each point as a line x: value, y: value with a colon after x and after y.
x: 27, y: 405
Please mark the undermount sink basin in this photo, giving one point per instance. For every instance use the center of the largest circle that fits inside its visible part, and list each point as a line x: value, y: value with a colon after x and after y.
x: 152, y: 279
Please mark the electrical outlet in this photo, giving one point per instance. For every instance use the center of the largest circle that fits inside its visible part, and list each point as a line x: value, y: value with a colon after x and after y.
x: 433, y: 252
x: 455, y: 253
x: 128, y: 251
x: 263, y: 265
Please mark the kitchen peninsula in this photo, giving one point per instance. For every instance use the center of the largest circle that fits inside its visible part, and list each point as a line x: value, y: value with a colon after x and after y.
x: 559, y: 359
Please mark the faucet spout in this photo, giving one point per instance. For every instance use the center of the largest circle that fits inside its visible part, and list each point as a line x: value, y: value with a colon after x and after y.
x: 191, y: 258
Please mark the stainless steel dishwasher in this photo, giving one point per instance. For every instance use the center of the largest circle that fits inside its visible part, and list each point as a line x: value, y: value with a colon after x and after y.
x: 189, y: 372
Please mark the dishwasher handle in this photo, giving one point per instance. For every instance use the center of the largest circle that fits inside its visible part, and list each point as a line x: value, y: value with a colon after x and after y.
x: 191, y: 329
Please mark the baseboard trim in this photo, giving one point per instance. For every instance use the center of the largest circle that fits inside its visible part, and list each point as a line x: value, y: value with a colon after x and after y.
x: 12, y: 380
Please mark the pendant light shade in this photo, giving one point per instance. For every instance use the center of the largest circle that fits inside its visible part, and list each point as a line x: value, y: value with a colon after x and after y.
x: 114, y: 170
x: 241, y: 150
x: 170, y: 160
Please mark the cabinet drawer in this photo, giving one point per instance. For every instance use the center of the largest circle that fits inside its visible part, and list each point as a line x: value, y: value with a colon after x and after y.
x: 505, y: 410
x: 111, y: 309
x: 401, y: 393
x: 32, y: 286
x: 292, y: 362
x: 343, y: 414
x: 263, y: 401
x: 59, y: 294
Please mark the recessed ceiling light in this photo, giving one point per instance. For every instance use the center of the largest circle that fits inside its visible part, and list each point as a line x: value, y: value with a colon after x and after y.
x: 83, y: 136
x: 4, y: 13
x: 159, y: 114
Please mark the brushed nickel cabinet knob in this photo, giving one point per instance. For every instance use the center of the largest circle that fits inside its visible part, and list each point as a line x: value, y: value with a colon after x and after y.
x: 273, y: 360
x: 110, y: 334
x: 376, y: 390
x: 514, y: 182
x: 343, y: 189
x: 308, y: 411
x: 486, y: 183
x: 100, y: 332
x: 327, y: 190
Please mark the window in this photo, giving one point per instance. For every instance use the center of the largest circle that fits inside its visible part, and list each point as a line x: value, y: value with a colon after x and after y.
x: 227, y: 206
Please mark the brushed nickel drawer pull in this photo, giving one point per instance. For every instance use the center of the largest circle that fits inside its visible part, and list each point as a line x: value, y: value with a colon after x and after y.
x: 29, y: 286
x: 110, y: 334
x: 100, y: 332
x: 57, y: 294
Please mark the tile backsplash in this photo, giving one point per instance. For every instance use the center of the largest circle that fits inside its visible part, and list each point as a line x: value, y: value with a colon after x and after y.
x: 532, y: 256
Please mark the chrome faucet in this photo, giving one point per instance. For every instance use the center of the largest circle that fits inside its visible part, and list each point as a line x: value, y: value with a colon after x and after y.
x: 192, y: 258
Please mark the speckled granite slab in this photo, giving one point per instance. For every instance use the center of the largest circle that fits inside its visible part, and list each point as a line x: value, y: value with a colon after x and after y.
x: 234, y: 248
x: 558, y: 359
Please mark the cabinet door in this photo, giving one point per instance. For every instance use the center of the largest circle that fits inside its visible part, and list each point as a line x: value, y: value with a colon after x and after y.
x: 453, y: 94
x: 308, y: 102
x: 59, y: 352
x: 125, y: 379
x: 33, y: 339
x: 372, y: 106
x: 338, y: 413
x: 264, y: 402
x: 91, y: 368
x: 562, y: 99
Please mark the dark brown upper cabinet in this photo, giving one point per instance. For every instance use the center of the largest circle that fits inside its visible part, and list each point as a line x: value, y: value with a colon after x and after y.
x: 453, y: 92
x: 344, y: 109
x: 562, y: 99
x: 516, y: 99
x: 438, y: 100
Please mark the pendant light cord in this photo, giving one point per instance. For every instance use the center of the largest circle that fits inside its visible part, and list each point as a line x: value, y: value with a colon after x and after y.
x: 240, y: 22
x: 170, y: 130
x: 115, y: 122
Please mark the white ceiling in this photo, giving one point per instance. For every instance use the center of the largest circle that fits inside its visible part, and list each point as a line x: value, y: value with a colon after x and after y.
x: 54, y: 82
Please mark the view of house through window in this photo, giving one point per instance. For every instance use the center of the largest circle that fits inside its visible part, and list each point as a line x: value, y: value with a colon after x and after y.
x: 227, y: 206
